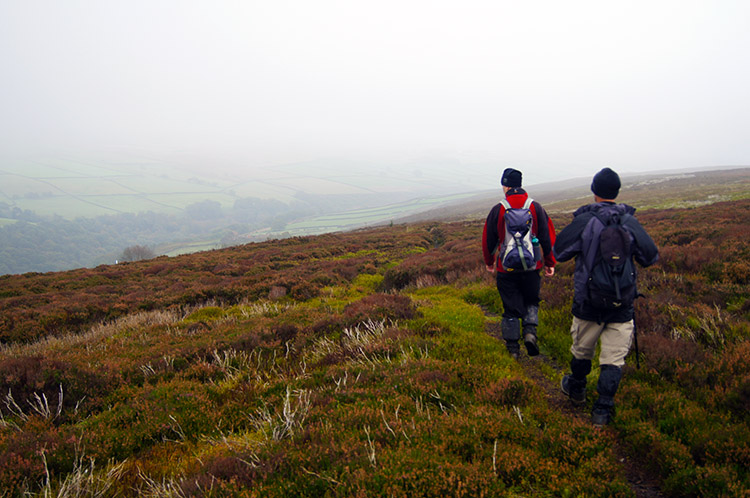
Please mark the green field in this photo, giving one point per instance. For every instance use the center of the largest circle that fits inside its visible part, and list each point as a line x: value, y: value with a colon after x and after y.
x: 73, y: 188
x: 363, y: 217
x: 177, y: 249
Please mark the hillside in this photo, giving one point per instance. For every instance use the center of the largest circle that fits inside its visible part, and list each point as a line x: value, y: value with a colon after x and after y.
x: 644, y: 191
x: 365, y: 364
x: 36, y: 238
x: 59, y: 213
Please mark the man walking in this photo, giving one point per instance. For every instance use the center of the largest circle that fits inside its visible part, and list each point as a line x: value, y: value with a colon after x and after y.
x: 605, y: 238
x: 516, y: 243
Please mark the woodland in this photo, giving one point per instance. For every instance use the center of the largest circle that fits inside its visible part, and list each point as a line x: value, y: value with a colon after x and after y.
x: 367, y: 363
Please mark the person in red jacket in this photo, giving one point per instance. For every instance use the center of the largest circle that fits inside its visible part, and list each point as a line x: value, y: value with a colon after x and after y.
x: 519, y: 289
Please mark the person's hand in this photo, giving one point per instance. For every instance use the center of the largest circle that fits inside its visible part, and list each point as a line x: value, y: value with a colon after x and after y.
x: 491, y: 269
x: 549, y: 271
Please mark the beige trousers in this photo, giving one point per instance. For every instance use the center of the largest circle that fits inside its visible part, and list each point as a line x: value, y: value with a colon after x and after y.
x: 616, y: 339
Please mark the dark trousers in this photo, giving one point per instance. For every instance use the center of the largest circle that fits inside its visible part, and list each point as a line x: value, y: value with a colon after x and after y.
x: 518, y: 290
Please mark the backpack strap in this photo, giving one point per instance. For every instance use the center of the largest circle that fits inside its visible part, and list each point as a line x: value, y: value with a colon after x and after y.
x: 621, y: 219
x: 526, y: 205
x: 500, y: 219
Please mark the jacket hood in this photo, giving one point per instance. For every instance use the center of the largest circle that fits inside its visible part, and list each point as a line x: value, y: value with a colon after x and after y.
x: 606, y: 209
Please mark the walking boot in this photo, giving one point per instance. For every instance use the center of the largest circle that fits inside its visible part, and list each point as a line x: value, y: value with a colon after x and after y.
x: 609, y: 381
x: 511, y: 329
x: 530, y: 322
x: 573, y: 385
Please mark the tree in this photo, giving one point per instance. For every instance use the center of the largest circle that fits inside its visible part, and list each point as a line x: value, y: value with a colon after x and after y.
x: 137, y: 253
x: 204, y: 211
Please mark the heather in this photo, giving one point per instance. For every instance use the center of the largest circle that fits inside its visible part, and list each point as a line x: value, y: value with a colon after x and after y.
x: 365, y: 364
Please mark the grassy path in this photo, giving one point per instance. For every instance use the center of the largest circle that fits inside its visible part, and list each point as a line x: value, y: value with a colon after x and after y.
x: 546, y: 374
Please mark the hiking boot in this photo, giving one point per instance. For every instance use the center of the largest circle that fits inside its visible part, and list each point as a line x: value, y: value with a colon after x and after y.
x: 529, y: 340
x: 601, y: 416
x: 577, y: 395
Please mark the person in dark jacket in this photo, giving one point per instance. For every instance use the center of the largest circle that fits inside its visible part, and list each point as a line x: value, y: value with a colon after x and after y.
x: 592, y: 323
x: 519, y: 290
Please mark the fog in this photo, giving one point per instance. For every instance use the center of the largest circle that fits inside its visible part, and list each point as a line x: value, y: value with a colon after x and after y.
x: 553, y: 88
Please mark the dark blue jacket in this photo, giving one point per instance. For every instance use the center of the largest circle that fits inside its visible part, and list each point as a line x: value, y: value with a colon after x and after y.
x: 576, y: 241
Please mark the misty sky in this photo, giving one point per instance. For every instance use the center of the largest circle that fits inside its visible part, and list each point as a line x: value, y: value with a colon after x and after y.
x: 571, y: 86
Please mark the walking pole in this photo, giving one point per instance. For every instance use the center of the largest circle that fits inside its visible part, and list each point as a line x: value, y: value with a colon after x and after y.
x: 635, y: 335
x: 635, y: 340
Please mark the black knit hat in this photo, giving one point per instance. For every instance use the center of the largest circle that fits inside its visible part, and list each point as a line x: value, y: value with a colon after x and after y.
x: 606, y: 184
x: 511, y: 178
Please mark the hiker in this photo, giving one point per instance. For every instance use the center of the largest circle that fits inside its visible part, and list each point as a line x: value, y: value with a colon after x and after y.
x: 518, y: 275
x: 605, y: 289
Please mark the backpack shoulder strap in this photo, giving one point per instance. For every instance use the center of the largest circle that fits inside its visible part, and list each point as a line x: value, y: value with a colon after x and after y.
x: 501, y: 218
x: 621, y: 219
x: 591, y: 234
x: 526, y: 205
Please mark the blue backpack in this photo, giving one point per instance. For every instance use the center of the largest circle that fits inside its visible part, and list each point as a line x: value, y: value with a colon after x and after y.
x: 612, y: 277
x: 518, y: 250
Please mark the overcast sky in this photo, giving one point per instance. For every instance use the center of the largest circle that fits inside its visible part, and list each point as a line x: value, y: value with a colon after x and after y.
x: 568, y: 85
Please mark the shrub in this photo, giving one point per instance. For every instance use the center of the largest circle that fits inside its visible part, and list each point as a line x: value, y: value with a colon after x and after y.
x: 82, y: 389
x: 508, y: 391
x: 380, y: 307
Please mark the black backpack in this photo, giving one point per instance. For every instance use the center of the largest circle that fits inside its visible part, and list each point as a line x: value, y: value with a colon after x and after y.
x: 611, y: 283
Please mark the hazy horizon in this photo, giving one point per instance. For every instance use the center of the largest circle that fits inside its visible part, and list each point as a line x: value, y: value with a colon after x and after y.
x: 555, y: 89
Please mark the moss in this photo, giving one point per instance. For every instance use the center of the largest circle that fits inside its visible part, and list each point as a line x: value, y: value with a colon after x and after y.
x: 207, y: 314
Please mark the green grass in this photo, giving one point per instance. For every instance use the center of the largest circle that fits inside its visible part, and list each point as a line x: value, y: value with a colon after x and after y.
x: 468, y: 339
x: 554, y: 333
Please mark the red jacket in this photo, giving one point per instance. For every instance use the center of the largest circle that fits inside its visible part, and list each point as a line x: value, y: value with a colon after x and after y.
x: 494, y: 229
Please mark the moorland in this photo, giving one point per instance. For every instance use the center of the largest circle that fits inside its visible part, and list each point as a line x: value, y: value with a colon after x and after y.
x: 366, y: 363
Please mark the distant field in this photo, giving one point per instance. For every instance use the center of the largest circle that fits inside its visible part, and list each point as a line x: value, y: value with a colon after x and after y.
x: 73, y: 188
x: 68, y: 207
x: 362, y: 217
x: 189, y: 247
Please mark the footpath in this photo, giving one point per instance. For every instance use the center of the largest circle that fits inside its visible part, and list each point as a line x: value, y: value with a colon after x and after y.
x: 641, y: 481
